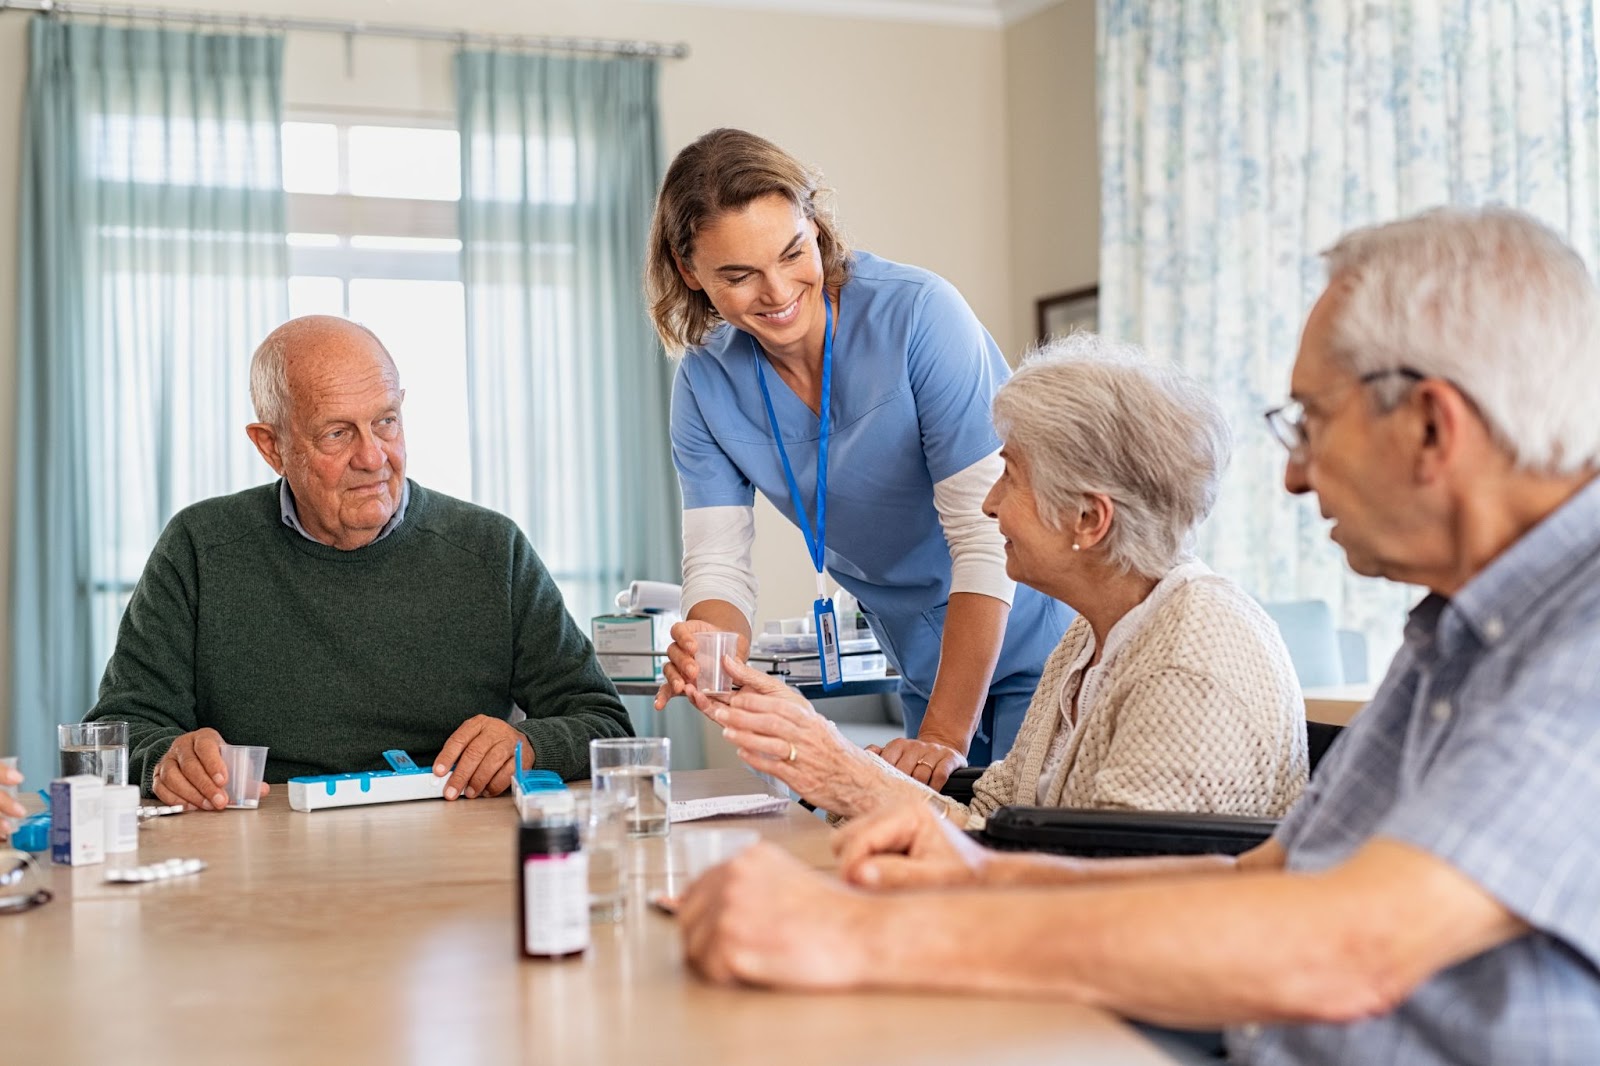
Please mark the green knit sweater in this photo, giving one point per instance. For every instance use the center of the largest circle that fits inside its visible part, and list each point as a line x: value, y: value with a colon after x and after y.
x: 331, y: 657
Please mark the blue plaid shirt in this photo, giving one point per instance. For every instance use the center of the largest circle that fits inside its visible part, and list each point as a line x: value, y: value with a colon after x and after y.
x: 1481, y: 747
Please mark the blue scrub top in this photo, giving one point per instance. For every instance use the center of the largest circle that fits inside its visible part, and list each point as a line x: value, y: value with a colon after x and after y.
x: 913, y: 378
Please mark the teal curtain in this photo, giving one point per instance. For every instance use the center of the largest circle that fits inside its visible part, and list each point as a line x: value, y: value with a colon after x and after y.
x: 567, y: 386
x: 152, y: 260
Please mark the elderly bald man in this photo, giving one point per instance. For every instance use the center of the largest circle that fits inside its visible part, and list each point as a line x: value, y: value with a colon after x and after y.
x: 344, y: 610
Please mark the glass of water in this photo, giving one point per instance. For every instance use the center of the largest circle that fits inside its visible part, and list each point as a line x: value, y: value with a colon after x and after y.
x: 637, y: 771
x: 99, y: 749
x: 602, y: 836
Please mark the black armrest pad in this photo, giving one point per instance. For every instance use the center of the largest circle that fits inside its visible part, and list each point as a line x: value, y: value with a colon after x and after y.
x: 1109, y: 834
x: 959, y: 786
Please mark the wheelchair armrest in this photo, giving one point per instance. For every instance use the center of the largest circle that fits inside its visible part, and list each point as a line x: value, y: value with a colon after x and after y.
x: 959, y: 785
x: 1112, y: 834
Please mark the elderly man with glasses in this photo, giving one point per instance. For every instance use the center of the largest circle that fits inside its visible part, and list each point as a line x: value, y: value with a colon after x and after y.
x: 1432, y: 897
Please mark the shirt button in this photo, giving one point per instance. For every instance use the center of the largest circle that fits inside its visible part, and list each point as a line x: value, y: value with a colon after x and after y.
x: 1440, y: 710
x: 1251, y: 1032
x: 1494, y: 629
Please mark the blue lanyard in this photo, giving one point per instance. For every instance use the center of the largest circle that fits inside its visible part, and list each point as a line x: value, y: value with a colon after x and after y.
x: 815, y: 541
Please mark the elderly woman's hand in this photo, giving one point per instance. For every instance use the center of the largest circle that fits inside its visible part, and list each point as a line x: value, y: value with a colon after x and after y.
x: 778, y: 732
x: 910, y: 845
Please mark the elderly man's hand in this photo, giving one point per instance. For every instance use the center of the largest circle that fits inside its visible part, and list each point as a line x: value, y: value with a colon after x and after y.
x: 767, y: 919
x: 482, y: 750
x: 192, y: 773
x: 10, y: 806
x: 778, y: 732
x: 909, y: 846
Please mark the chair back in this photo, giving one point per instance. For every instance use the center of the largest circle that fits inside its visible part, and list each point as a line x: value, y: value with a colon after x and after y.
x: 1308, y: 631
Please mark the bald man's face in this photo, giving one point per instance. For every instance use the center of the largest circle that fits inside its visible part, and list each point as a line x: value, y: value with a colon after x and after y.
x: 344, y: 449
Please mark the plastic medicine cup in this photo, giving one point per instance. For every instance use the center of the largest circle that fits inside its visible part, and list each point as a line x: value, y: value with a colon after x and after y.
x: 704, y: 848
x: 713, y: 678
x: 246, y: 764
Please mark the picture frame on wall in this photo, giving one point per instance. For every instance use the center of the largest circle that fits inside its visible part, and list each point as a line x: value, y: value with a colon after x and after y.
x: 1061, y: 313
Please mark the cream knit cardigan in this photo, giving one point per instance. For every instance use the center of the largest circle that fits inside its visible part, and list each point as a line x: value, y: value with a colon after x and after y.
x: 1200, y: 712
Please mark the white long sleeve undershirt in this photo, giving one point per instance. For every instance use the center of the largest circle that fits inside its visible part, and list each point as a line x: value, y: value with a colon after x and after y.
x: 717, y: 543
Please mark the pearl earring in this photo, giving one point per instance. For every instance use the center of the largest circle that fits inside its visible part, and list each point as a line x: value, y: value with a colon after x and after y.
x: 1074, y: 545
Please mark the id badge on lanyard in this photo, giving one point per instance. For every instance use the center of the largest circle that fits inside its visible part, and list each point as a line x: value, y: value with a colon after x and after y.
x: 816, y: 537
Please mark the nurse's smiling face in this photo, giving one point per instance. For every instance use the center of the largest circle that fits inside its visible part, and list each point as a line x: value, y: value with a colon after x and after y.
x: 761, y: 268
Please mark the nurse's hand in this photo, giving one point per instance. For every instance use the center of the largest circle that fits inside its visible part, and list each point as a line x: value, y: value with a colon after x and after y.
x: 778, y: 732
x: 927, y: 761
x: 680, y: 671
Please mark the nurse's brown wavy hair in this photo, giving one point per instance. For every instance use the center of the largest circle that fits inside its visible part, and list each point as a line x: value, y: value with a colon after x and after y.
x: 724, y: 171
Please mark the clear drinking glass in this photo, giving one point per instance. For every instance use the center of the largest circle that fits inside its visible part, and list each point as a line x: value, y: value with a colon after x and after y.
x: 637, y: 771
x: 706, y: 846
x: 99, y: 749
x: 602, y: 834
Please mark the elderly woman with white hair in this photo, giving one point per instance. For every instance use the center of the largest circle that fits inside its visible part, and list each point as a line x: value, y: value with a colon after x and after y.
x: 1171, y: 691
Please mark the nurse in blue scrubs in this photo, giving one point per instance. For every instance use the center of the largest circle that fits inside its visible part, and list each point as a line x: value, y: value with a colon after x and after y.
x: 852, y: 392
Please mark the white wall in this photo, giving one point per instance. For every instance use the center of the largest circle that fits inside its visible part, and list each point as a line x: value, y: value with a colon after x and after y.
x: 908, y: 121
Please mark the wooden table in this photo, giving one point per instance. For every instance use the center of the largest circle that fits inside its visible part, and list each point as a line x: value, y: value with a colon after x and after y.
x: 387, y: 935
x: 1337, y: 704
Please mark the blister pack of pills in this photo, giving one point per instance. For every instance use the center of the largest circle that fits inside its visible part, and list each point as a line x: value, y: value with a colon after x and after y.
x: 160, y: 871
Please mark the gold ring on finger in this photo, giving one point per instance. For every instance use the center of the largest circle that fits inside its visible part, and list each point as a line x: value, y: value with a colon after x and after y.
x: 792, y: 751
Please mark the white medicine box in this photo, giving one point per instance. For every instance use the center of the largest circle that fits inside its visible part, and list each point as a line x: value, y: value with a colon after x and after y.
x: 77, y: 825
x: 623, y: 643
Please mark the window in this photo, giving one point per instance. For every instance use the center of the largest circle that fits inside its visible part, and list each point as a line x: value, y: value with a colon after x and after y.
x: 372, y: 237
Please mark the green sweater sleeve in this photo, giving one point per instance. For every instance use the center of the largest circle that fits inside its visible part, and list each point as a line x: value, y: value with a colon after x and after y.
x: 557, y: 679
x: 149, y: 682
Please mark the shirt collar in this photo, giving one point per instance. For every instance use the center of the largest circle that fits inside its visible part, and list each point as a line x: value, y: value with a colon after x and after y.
x: 291, y: 517
x: 1520, y: 579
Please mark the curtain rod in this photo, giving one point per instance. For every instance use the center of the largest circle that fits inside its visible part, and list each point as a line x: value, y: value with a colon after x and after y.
x: 591, y: 45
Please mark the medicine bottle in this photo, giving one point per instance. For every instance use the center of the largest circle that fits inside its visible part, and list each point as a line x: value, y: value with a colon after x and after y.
x: 553, y: 890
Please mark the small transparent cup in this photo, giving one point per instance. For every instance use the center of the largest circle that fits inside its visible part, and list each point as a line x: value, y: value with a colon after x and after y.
x: 703, y: 848
x: 602, y: 835
x: 99, y: 749
x: 10, y: 763
x: 637, y: 771
x: 246, y: 764
x: 709, y: 648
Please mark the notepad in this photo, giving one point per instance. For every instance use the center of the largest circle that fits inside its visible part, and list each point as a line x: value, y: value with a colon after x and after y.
x: 725, y: 806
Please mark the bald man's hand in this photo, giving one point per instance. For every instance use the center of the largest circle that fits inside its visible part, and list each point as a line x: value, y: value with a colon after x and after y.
x: 482, y: 750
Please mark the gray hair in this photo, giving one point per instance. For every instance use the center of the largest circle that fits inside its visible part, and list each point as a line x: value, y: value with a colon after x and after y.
x: 1494, y: 302
x: 269, y: 380
x: 1090, y: 415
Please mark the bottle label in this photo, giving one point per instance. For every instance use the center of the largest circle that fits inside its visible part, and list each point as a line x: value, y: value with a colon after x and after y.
x: 555, y: 903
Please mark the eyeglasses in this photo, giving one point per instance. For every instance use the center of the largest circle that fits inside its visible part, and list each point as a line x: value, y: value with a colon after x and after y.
x: 15, y: 896
x: 1288, y: 422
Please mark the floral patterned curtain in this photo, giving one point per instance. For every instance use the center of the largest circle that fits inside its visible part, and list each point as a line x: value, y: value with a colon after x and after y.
x: 1239, y: 138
